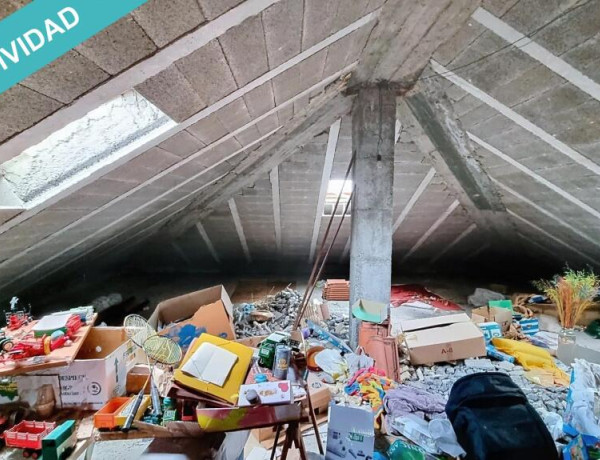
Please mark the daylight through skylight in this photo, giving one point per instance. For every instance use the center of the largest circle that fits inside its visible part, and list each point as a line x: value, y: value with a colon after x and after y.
x: 99, y: 138
x: 335, y: 188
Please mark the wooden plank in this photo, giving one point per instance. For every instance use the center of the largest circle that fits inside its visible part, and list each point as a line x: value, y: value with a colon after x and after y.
x: 57, y: 358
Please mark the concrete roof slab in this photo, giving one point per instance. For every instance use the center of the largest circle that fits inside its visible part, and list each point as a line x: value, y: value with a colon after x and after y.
x: 21, y: 107
x: 246, y: 50
x: 207, y: 70
x: 166, y: 20
x: 119, y: 46
x: 182, y: 144
x: 66, y: 78
x: 283, y: 30
x: 215, y: 8
x: 171, y: 92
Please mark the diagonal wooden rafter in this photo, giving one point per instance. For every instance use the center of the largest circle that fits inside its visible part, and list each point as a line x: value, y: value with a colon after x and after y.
x: 429, y: 117
x: 321, y: 113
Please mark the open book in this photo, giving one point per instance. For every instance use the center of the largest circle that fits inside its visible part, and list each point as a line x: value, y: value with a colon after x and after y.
x: 211, y: 364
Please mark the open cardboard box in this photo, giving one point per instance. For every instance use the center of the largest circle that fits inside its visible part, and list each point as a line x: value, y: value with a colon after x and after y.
x: 98, y: 372
x: 502, y: 316
x: 185, y: 317
x: 443, y: 338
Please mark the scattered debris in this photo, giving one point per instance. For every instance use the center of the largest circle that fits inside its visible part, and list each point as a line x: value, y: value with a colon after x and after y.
x: 276, y: 313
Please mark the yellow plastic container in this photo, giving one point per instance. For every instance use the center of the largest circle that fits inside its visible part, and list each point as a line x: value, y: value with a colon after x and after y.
x: 124, y: 411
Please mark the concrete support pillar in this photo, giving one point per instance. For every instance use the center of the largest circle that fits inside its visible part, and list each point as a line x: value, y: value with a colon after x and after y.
x: 373, y: 125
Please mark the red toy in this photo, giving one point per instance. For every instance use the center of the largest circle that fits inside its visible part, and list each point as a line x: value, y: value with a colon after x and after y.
x: 28, y: 435
x: 27, y: 348
x: 73, y: 325
x: 16, y: 320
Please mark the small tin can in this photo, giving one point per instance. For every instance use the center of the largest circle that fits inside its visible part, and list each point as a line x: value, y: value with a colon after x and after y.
x: 281, y: 363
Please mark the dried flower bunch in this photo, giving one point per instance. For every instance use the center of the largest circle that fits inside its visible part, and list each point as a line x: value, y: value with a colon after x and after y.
x: 573, y: 292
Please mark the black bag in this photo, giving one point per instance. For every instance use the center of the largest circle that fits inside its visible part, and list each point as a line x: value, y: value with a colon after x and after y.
x: 494, y: 421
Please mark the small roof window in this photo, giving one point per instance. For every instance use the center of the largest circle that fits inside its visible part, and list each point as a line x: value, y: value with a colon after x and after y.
x: 104, y: 135
x: 337, y: 188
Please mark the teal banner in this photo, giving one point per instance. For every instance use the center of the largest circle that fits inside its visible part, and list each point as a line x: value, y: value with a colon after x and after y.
x: 44, y: 30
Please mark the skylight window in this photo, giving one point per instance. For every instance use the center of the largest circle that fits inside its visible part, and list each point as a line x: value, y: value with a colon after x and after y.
x: 104, y: 135
x: 336, y: 188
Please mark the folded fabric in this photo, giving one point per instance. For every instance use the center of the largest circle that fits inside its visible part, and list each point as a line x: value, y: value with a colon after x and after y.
x: 531, y: 358
x: 404, y: 400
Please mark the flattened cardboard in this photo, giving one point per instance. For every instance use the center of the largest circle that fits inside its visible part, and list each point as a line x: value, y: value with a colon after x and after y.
x: 444, y: 338
x: 209, y: 310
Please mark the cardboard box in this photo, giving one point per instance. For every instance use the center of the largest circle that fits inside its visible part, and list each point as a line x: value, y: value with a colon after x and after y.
x: 350, y: 433
x: 209, y: 310
x: 98, y: 373
x: 490, y: 330
x: 443, y: 338
x: 270, y: 393
x: 499, y: 315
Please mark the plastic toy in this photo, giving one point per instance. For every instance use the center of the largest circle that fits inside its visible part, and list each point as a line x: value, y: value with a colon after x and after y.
x: 16, y: 319
x: 6, y: 343
x: 28, y: 435
x: 106, y: 418
x: 60, y: 443
x: 27, y: 348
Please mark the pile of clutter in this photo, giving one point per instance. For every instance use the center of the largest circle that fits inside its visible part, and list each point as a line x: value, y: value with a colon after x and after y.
x: 444, y: 357
x: 435, y: 381
x: 273, y: 313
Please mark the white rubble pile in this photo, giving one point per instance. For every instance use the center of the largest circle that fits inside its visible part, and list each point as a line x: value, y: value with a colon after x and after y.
x: 440, y: 378
x: 281, y: 308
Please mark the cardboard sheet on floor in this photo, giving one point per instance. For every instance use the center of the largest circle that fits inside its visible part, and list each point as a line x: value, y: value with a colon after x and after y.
x: 231, y: 387
x: 444, y: 338
x: 57, y: 358
x: 185, y: 317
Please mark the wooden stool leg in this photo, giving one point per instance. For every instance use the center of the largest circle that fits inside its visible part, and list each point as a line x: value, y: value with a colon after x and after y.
x: 289, y: 438
x: 300, y: 444
x: 277, y: 432
x: 313, y: 419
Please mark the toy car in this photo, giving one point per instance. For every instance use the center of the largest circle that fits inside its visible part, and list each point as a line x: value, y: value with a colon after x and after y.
x: 60, y: 443
x: 28, y: 436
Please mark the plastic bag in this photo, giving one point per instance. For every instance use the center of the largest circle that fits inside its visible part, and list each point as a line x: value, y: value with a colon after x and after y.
x: 358, y: 360
x: 583, y: 400
x: 553, y: 422
x: 482, y: 296
x: 332, y: 362
x: 401, y: 450
x: 445, y: 438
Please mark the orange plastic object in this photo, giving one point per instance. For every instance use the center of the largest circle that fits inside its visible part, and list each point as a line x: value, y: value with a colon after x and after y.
x: 105, y: 418
x: 310, y: 358
x: 369, y: 330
